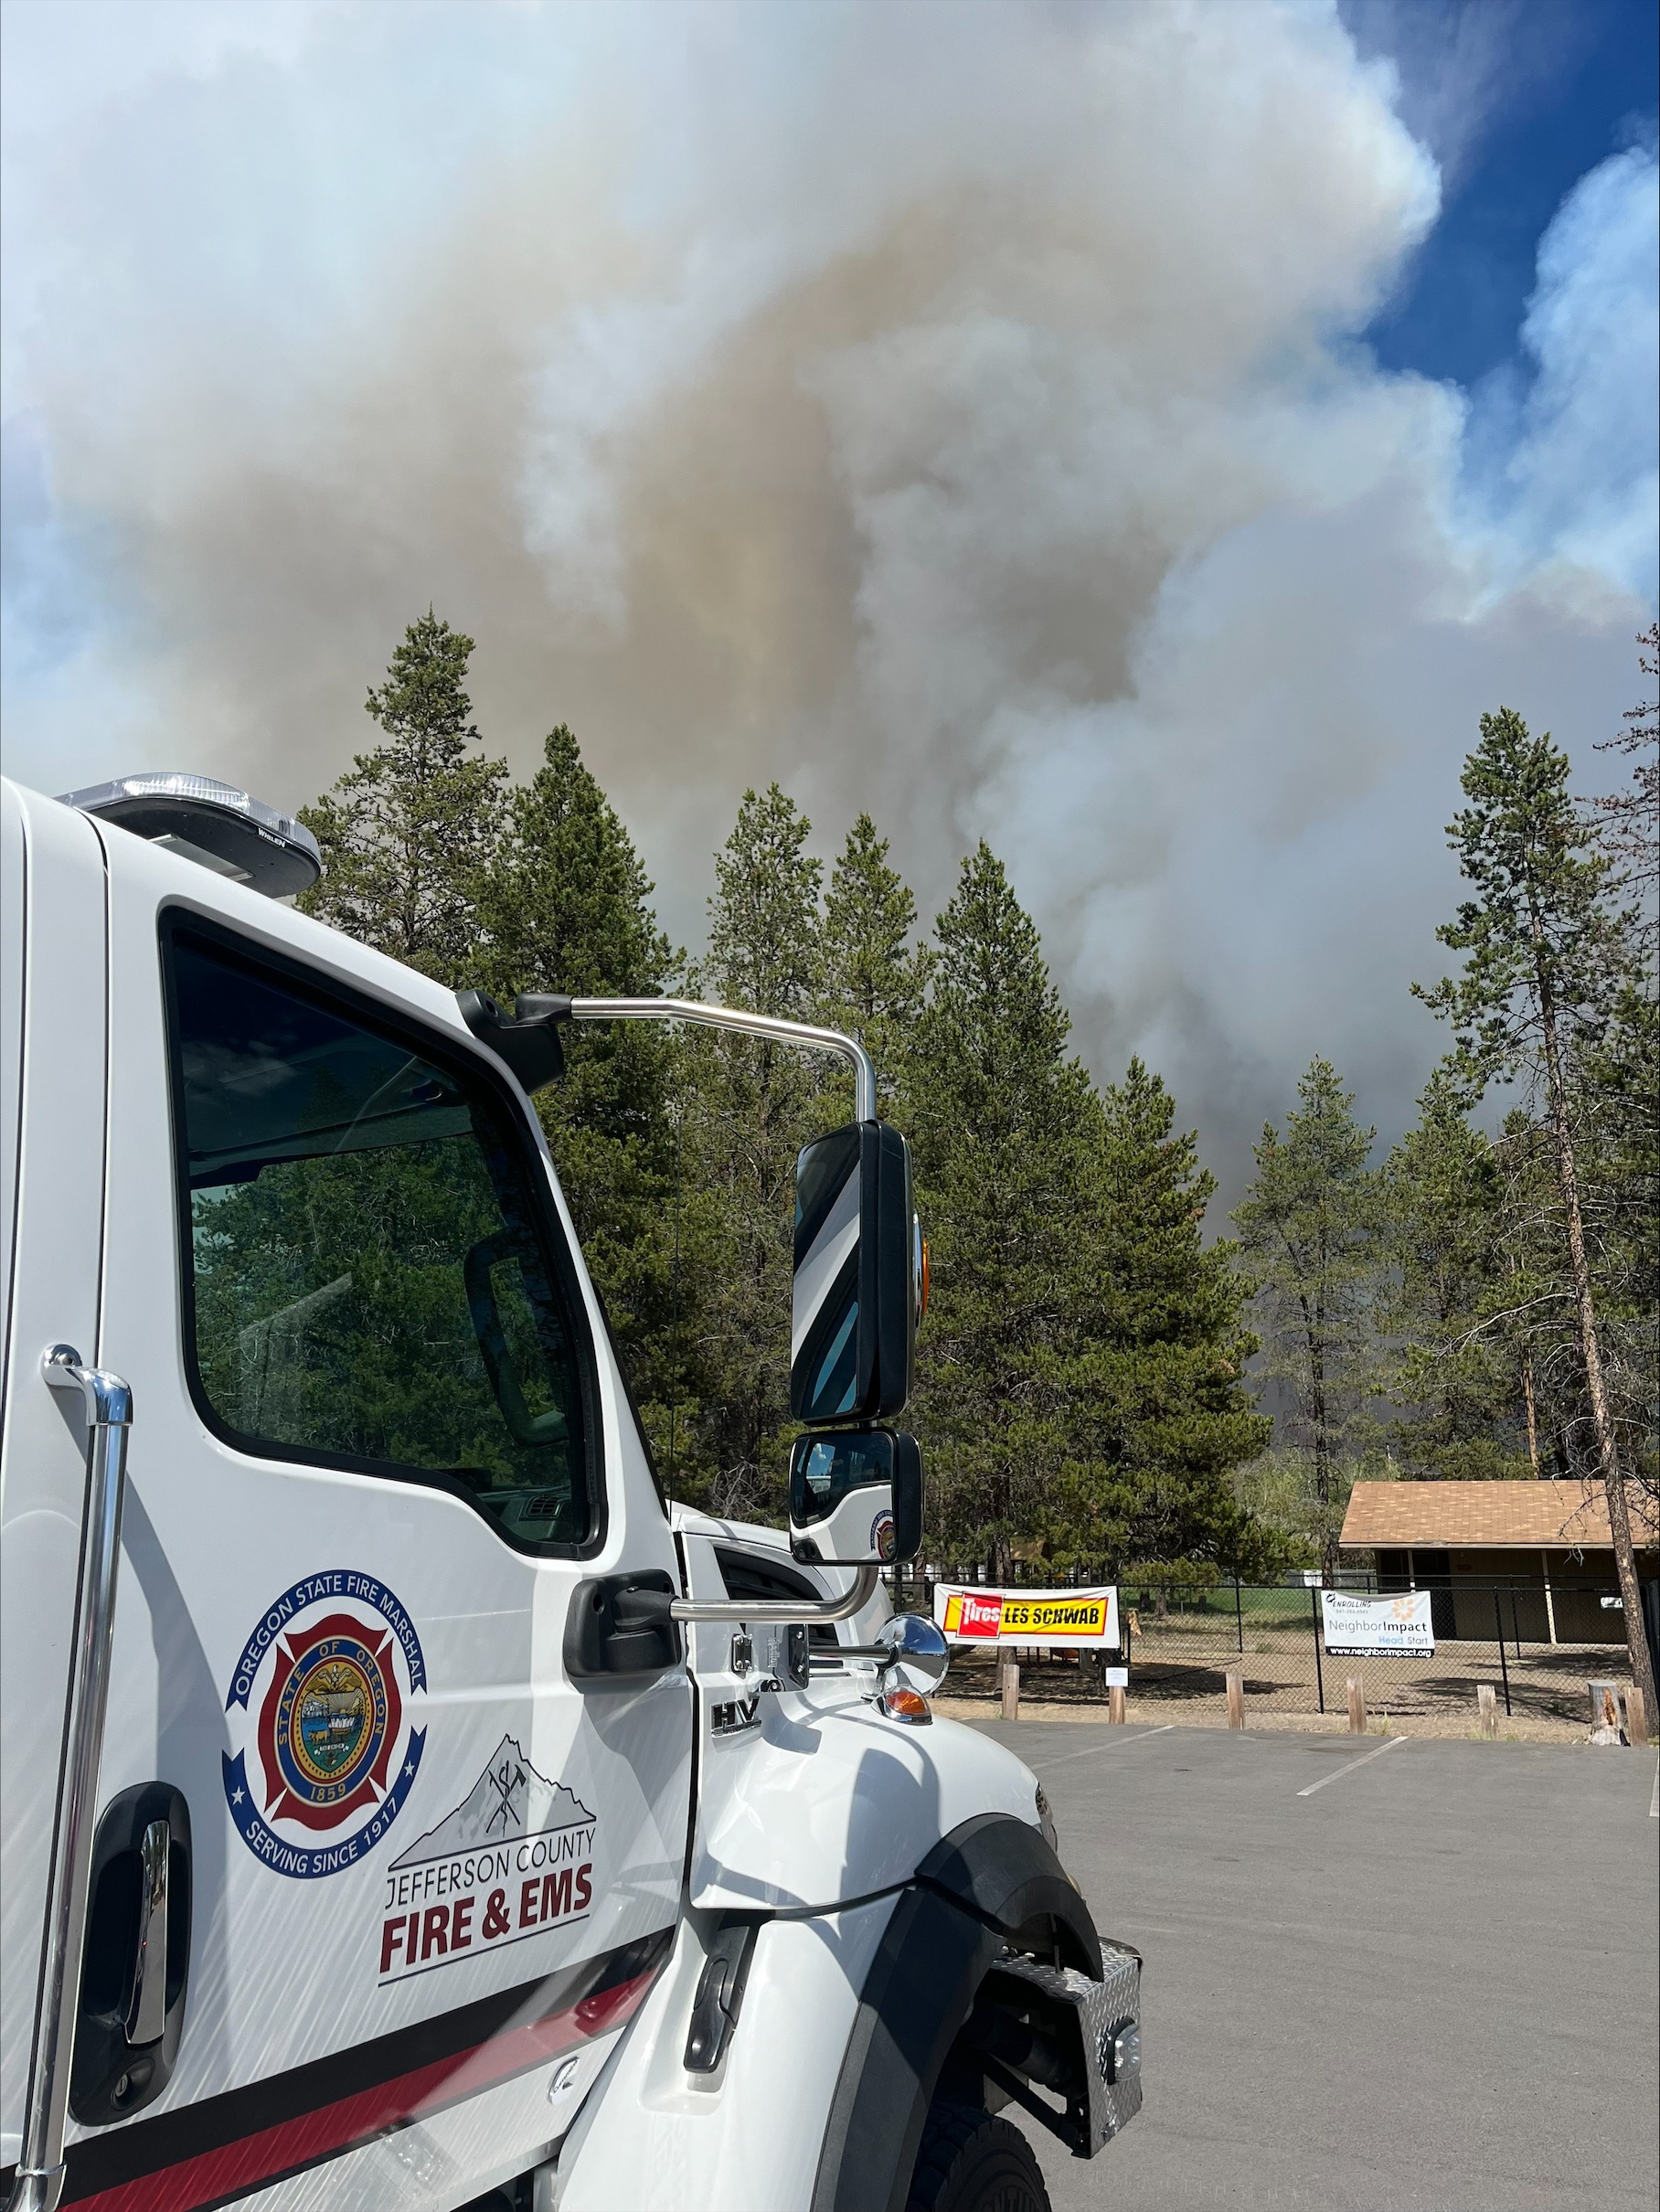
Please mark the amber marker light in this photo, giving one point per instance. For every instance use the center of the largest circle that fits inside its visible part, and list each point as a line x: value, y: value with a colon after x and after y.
x: 909, y: 1705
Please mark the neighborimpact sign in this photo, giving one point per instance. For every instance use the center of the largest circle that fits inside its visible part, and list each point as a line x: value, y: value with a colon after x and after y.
x: 1074, y: 1619
x: 1366, y: 1627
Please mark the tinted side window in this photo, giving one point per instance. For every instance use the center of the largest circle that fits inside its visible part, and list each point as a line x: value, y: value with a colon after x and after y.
x: 369, y: 1267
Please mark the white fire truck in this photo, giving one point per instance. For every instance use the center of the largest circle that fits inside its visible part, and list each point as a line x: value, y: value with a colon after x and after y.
x: 403, y: 1807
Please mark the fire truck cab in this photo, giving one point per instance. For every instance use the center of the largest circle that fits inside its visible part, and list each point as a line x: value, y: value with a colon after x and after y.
x: 403, y: 1807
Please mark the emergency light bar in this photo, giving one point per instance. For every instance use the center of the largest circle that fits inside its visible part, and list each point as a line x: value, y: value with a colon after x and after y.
x: 210, y: 823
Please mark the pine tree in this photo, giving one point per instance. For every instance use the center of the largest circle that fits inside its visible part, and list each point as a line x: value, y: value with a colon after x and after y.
x: 1156, y: 1411
x: 754, y: 1105
x: 408, y: 833
x: 567, y: 908
x: 1002, y: 1122
x: 1617, y: 1104
x: 1628, y: 822
x: 1545, y: 963
x: 1463, y: 1308
x: 1307, y: 1237
x: 874, y: 974
x: 1617, y: 1115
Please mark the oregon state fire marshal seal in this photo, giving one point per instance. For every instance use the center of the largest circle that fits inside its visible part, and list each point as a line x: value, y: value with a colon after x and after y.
x: 325, y: 1687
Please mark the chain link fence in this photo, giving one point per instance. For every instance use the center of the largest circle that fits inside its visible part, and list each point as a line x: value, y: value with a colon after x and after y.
x: 1536, y: 1650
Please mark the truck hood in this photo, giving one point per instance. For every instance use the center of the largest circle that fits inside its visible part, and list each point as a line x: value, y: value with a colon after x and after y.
x: 828, y: 1801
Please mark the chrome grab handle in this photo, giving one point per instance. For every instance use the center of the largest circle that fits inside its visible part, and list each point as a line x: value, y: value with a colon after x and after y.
x: 108, y: 1402
x: 780, y: 1611
x: 147, y: 2014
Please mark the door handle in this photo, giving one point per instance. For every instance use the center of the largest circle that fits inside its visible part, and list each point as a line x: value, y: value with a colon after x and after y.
x: 147, y: 2013
x: 135, y: 1966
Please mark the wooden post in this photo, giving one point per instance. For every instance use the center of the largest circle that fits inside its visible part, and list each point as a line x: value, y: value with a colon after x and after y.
x: 1357, y: 1690
x: 1637, y: 1716
x: 1236, y: 1699
x: 1486, y: 1708
x: 1011, y: 1687
x: 1115, y: 1702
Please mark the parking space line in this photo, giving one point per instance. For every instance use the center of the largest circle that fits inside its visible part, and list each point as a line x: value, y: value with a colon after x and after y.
x: 1654, y: 1803
x: 1118, y: 1744
x: 1364, y: 1757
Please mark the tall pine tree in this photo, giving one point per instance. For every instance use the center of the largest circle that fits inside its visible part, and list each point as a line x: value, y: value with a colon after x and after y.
x: 1308, y: 1242
x: 1155, y: 1408
x: 874, y: 974
x: 754, y: 1105
x: 1546, y: 959
x: 1001, y: 1120
x: 565, y: 907
x: 409, y: 832
x: 1461, y: 1308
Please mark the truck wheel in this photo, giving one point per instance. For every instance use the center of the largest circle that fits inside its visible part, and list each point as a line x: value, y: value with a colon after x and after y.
x: 969, y: 2162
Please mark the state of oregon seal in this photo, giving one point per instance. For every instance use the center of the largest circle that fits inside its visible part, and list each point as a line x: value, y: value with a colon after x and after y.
x: 323, y: 1688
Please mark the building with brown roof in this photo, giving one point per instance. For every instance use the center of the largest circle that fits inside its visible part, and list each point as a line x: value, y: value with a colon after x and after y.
x: 1536, y: 1557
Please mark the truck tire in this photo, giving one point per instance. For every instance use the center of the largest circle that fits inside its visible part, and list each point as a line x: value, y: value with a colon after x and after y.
x: 970, y: 2161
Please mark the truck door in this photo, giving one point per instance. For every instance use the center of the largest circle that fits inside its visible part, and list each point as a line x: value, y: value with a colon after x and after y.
x: 52, y: 940
x: 379, y: 1449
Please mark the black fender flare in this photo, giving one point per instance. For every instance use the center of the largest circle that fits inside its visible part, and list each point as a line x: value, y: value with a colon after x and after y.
x: 988, y: 1882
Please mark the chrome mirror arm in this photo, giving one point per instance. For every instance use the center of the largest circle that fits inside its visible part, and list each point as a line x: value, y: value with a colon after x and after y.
x: 108, y: 1402
x: 768, y: 1026
x: 770, y: 1612
x: 547, y: 1006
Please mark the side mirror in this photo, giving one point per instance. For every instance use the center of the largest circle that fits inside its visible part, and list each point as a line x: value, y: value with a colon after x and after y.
x: 857, y: 1277
x: 855, y: 1498
x: 917, y: 1654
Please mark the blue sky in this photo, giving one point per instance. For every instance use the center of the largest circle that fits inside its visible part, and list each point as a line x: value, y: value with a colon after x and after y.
x: 1571, y: 85
x: 1147, y: 433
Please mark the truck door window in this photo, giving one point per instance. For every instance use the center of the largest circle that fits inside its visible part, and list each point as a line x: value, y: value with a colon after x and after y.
x: 367, y: 1258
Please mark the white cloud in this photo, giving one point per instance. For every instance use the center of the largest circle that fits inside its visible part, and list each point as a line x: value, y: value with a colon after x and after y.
x: 1581, y: 482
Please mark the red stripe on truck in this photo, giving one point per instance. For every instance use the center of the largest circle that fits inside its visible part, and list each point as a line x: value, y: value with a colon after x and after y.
x: 220, y: 2175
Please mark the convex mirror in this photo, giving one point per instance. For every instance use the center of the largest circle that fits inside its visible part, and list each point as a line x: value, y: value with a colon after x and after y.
x: 859, y: 1277
x: 856, y: 1497
x: 917, y: 1655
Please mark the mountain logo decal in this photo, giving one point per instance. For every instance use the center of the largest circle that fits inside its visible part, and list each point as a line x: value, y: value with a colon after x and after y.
x: 514, y: 1859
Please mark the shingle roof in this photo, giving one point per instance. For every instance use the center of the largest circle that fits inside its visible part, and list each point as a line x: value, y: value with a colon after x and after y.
x: 1483, y: 1514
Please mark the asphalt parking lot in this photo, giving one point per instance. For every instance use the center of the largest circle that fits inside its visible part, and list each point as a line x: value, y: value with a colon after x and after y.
x: 1426, y: 1981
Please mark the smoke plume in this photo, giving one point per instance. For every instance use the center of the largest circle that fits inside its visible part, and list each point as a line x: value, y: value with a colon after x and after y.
x: 952, y: 412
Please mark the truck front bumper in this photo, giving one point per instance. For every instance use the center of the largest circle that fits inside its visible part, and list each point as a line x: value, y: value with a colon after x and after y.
x: 1108, y: 2016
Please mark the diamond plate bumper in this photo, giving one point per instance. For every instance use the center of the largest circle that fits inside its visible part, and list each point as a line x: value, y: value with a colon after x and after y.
x: 1108, y: 2020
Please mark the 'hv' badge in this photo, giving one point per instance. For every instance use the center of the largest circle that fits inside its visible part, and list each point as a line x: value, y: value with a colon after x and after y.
x: 322, y: 1698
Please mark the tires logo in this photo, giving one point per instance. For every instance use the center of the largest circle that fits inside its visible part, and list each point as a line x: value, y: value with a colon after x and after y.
x: 327, y: 1680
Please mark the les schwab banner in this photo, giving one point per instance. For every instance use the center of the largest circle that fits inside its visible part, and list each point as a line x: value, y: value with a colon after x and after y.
x: 1086, y: 1618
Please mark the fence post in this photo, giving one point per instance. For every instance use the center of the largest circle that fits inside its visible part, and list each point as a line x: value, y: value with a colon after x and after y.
x: 1236, y: 1699
x: 1115, y: 1702
x: 1514, y: 1631
x: 1011, y: 1687
x: 1499, y: 1622
x: 1356, y: 1698
x: 1486, y: 1710
x: 1239, y: 1610
x: 1637, y: 1716
x: 1314, y: 1613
